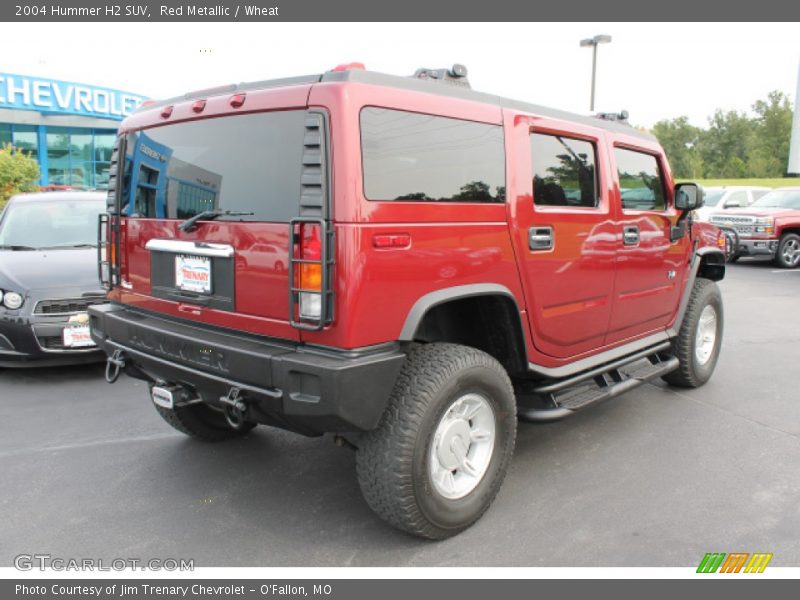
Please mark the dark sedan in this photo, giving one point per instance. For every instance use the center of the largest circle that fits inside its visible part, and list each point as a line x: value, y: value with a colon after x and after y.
x: 48, y: 278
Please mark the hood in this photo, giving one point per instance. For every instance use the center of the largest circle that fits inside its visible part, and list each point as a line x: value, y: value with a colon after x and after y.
x: 70, y: 272
x: 759, y: 212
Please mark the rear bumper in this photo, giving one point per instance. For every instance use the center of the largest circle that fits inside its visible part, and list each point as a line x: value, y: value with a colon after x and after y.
x: 306, y: 389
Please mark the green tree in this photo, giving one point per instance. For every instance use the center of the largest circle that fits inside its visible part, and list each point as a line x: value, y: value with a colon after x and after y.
x: 773, y: 126
x: 474, y: 191
x: 726, y: 145
x: 18, y: 173
x: 679, y: 140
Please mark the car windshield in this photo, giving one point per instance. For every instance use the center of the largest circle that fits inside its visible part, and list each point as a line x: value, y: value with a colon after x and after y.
x: 779, y: 199
x: 56, y: 223
x: 713, y: 196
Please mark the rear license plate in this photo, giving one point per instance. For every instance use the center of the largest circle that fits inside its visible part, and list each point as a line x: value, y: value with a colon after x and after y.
x: 163, y: 397
x: 193, y: 274
x: 77, y: 336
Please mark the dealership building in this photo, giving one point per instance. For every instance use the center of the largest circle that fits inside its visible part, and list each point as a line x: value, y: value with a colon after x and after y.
x: 68, y: 127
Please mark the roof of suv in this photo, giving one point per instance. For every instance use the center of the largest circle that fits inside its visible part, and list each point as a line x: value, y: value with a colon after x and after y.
x: 411, y: 83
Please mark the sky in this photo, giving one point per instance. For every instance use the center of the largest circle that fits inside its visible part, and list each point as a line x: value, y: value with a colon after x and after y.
x: 653, y: 70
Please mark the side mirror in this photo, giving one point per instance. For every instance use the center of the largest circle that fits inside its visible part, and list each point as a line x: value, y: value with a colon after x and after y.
x: 689, y: 196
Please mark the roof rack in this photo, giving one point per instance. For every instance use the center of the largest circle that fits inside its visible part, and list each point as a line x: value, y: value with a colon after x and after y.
x: 425, y: 80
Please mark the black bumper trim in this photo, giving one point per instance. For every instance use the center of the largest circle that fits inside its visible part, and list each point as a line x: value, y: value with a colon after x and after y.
x: 284, y: 383
x: 128, y: 353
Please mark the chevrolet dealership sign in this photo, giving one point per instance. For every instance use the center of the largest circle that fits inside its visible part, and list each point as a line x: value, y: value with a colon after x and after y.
x: 50, y: 96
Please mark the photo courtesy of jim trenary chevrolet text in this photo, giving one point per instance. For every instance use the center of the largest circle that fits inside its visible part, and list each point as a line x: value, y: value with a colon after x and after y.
x: 337, y: 300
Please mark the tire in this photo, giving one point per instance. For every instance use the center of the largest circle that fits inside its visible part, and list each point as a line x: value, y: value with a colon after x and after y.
x: 202, y: 422
x: 788, y: 255
x: 397, y: 462
x: 696, y: 366
x: 730, y: 248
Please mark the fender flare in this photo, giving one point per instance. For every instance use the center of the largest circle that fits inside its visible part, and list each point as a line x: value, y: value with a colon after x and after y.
x: 431, y: 299
x: 694, y: 266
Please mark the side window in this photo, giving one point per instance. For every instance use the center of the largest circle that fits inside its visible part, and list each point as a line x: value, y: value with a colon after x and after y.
x: 737, y: 199
x: 424, y: 158
x: 564, y: 171
x: 757, y: 194
x: 641, y: 185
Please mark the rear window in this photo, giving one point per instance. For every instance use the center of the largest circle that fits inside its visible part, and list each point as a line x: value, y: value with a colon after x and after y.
x: 248, y: 163
x: 415, y: 157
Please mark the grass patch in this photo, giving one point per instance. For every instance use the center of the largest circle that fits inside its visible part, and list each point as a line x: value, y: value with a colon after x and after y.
x: 772, y: 183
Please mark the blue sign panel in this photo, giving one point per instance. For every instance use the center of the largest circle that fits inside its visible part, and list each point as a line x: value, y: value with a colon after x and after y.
x: 50, y: 96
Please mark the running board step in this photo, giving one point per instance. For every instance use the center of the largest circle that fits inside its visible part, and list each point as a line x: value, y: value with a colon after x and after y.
x: 564, y: 401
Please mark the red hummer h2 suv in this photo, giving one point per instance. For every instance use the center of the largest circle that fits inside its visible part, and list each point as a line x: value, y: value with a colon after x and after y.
x: 403, y: 262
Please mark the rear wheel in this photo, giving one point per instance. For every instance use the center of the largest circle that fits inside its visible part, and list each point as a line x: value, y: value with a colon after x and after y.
x: 203, y: 422
x: 698, y: 342
x: 788, y: 255
x: 442, y: 448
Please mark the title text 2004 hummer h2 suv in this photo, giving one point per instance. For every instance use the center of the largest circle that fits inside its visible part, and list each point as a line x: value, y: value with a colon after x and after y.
x: 403, y: 262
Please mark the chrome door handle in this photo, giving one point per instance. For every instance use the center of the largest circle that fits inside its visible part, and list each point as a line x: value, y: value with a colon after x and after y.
x: 540, y: 238
x: 630, y: 235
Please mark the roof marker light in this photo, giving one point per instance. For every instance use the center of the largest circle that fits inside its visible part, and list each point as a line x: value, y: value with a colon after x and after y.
x: 166, y: 112
x: 349, y: 67
x: 198, y: 106
x: 237, y: 100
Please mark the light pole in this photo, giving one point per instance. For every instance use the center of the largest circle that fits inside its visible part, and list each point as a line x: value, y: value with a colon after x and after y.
x: 593, y: 42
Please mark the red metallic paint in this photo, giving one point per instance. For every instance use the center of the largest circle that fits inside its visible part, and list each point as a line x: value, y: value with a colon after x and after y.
x: 589, y: 284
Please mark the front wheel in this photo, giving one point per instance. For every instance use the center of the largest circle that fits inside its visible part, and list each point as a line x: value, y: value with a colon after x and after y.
x: 788, y: 255
x: 731, y: 245
x: 698, y: 342
x: 442, y: 448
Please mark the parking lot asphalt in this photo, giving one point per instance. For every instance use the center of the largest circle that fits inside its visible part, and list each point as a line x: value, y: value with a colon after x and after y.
x: 656, y: 477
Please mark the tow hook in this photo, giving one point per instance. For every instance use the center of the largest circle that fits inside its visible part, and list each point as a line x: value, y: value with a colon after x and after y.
x: 235, y: 408
x: 114, y: 364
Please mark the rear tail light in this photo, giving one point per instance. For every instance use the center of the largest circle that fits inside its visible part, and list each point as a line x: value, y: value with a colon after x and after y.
x: 308, y: 275
x: 353, y: 66
x: 107, y: 257
x: 310, y: 278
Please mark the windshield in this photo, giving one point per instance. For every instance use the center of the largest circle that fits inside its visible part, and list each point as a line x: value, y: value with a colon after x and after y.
x: 713, y: 196
x: 243, y: 163
x: 53, y: 223
x: 779, y: 199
